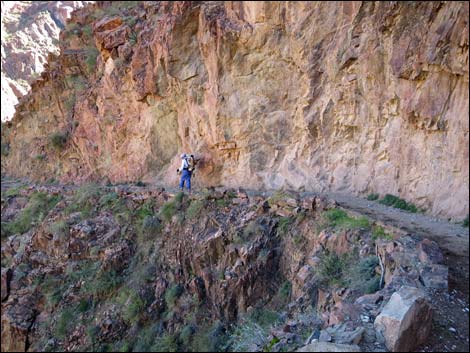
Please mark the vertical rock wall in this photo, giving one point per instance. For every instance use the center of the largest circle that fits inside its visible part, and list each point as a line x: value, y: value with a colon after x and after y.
x: 357, y: 97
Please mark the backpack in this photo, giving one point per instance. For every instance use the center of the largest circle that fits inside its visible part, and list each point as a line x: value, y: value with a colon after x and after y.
x: 191, y: 163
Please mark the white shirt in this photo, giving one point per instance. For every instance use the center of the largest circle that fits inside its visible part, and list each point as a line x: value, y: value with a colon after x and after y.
x: 184, y: 164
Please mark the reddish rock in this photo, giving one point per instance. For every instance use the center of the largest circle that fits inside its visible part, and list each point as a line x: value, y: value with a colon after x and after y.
x: 107, y: 23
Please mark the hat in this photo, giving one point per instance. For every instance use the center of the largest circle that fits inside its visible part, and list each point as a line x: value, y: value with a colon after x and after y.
x: 183, y: 155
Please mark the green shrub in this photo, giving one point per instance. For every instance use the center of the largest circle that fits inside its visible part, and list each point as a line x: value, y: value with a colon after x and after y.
x: 131, y: 303
x: 65, y: 322
x: 263, y: 317
x: 130, y: 21
x: 91, y: 54
x: 330, y: 268
x: 5, y: 149
x: 35, y: 211
x: 194, y: 209
x: 165, y: 343
x: 151, y: 225
x: 144, y: 211
x: 133, y: 38
x: 58, y: 140
x: 465, y: 222
x: 84, y: 200
x: 179, y: 197
x: 59, y: 229
x: 186, y: 335
x: 248, y: 334
x: 276, y: 197
x: 87, y: 31
x: 169, y: 209
x: 285, y: 290
x: 146, y: 338
x: 394, y: 201
x: 108, y: 199
x: 379, y: 233
x: 389, y: 200
x: 52, y: 289
x: 92, y: 332
x: 83, y: 305
x: 362, y: 276
x: 339, y: 219
x: 372, y: 285
x: 172, y: 294
x: 373, y: 197
x: 12, y: 192
x: 284, y: 225
x: 103, y: 285
x: 210, y: 338
x: 70, y: 102
x: 223, y: 203
x: 129, y: 4
x: 140, y: 184
x: 125, y: 347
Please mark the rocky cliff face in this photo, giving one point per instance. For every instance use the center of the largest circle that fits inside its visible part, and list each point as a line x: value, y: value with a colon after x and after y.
x: 30, y: 30
x: 128, y: 268
x: 358, y: 97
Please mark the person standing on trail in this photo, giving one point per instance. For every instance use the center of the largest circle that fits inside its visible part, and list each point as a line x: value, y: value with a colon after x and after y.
x: 186, y: 170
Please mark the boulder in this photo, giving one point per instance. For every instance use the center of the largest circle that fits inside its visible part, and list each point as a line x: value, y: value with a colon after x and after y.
x: 342, y: 334
x: 329, y: 347
x: 406, y: 320
x: 434, y: 276
x: 429, y: 252
x: 107, y: 23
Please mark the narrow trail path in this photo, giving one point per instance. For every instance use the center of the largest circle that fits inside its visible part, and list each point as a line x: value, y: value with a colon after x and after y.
x: 453, y: 238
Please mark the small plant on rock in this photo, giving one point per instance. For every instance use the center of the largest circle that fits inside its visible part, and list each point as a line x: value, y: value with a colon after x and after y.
x: 465, y: 222
x: 339, y: 219
x: 330, y: 268
x: 172, y: 294
x: 394, y: 201
x: 379, y: 233
x: 373, y: 197
x: 58, y: 140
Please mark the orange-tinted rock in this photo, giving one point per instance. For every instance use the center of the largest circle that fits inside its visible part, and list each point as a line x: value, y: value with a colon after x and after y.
x: 377, y: 106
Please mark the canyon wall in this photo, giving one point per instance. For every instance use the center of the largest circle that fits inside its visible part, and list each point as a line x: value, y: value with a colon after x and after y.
x: 356, y: 97
x: 30, y: 30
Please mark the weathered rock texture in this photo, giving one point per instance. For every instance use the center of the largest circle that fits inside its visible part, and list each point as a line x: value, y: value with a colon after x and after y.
x: 123, y: 265
x: 348, y: 96
x: 406, y: 320
x: 30, y: 30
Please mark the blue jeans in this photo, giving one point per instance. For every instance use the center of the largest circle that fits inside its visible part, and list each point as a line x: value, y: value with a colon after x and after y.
x: 185, y: 177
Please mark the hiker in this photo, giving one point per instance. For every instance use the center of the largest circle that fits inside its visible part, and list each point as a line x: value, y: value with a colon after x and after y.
x: 186, y: 170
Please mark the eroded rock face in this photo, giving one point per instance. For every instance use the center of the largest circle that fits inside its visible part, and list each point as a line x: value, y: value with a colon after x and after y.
x: 30, y: 30
x: 355, y: 97
x: 405, y: 321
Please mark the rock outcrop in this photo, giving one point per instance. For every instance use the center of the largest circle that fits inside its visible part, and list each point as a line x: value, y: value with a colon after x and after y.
x: 119, y: 266
x: 30, y: 30
x: 358, y: 97
x: 406, y: 320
